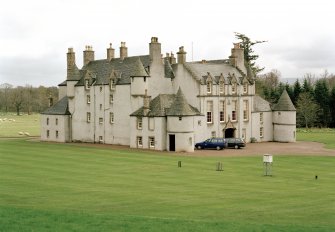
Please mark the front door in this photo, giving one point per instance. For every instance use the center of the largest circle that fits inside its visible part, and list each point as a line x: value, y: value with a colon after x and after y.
x: 229, y: 133
x: 172, y: 142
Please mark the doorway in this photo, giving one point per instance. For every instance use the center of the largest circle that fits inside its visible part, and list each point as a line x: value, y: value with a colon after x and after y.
x: 172, y: 143
x: 229, y: 133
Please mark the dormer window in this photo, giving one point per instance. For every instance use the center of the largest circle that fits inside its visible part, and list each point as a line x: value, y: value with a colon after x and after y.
x: 245, y: 87
x: 112, y: 83
x: 233, y: 88
x: 87, y: 84
x: 209, y: 87
x: 221, y: 87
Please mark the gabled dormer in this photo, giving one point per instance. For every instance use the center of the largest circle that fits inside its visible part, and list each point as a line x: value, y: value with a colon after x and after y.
x: 89, y: 79
x: 233, y: 84
x: 221, y: 84
x: 209, y: 84
x: 113, y: 80
x: 245, y: 85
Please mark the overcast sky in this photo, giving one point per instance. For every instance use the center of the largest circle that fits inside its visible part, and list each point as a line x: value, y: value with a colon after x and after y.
x: 35, y: 34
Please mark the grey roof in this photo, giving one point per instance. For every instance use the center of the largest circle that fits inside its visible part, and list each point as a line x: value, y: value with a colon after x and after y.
x: 124, y: 67
x: 284, y: 103
x: 138, y: 69
x: 200, y: 70
x: 60, y: 108
x: 261, y: 105
x: 168, y: 71
x: 74, y: 74
x: 63, y: 83
x: 168, y: 105
x: 180, y: 107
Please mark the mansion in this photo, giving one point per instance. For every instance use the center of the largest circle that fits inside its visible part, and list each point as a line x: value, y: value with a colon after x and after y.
x: 163, y: 103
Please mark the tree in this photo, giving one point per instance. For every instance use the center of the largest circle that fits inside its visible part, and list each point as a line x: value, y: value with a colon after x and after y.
x: 321, y: 95
x: 249, y: 54
x: 296, y: 91
x: 307, y: 110
x: 308, y: 83
x: 5, y: 96
x: 17, y: 98
x: 332, y: 106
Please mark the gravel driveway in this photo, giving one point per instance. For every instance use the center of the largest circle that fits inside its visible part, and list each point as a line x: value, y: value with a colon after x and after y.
x: 274, y: 148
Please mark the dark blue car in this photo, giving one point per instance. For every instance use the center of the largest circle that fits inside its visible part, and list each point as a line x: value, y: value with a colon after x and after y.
x: 212, y: 143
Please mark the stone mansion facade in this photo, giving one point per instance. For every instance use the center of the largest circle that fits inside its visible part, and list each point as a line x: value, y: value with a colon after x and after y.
x: 163, y: 103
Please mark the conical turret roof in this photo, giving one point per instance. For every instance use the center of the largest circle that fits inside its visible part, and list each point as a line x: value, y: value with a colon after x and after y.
x: 138, y: 69
x: 284, y: 103
x: 180, y: 106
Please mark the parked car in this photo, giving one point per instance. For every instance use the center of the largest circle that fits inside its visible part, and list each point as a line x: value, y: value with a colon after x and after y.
x: 212, y: 143
x: 235, y: 142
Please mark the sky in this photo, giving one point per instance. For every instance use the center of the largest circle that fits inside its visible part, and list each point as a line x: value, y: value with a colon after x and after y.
x: 36, y: 34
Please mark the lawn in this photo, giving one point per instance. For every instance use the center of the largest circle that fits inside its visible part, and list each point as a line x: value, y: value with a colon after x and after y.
x: 11, y: 124
x: 323, y: 135
x: 72, y: 187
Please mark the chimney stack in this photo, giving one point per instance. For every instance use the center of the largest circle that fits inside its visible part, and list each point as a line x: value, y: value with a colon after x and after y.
x: 110, y: 52
x: 237, y: 57
x: 155, y: 49
x: 181, y: 55
x: 71, y: 62
x: 123, y: 51
x: 88, y: 54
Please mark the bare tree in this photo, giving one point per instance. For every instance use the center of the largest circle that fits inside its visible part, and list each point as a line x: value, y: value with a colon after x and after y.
x: 307, y: 109
x: 17, y: 98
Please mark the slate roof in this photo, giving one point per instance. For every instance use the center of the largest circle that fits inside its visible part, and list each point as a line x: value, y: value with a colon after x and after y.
x: 284, y: 103
x: 215, y: 68
x: 125, y: 68
x: 138, y: 69
x: 168, y: 71
x: 180, y: 107
x: 60, y: 108
x: 168, y: 105
x: 261, y: 105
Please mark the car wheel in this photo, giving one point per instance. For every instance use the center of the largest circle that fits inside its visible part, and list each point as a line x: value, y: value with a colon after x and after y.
x: 236, y: 147
x: 199, y: 147
x: 218, y: 148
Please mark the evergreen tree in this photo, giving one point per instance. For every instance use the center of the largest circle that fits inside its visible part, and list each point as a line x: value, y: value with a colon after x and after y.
x: 332, y: 106
x: 321, y: 95
x: 296, y: 91
x: 249, y: 54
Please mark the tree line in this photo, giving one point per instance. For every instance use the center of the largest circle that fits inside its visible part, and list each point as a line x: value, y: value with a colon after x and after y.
x: 26, y: 99
x: 313, y: 97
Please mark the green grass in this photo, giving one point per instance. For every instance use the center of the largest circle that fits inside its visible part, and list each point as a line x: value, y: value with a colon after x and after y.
x: 326, y: 136
x: 15, y: 124
x: 71, y: 187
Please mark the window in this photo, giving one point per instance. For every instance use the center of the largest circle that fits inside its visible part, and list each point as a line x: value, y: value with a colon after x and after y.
x: 111, y: 98
x: 244, y: 133
x: 233, y: 112
x: 279, y: 113
x: 88, y: 97
x: 87, y: 84
x: 221, y: 87
x: 209, y: 112
x: 151, y: 142
x: 139, y: 141
x: 47, y: 121
x: 139, y: 123
x: 100, y: 88
x: 111, y: 117
x: 261, y: 132
x: 180, y: 118
x: 56, y: 121
x: 245, y: 110
x: 101, y: 139
x: 209, y: 87
x: 261, y: 117
x: 101, y: 120
x: 245, y: 87
x: 48, y: 133
x: 233, y: 88
x: 112, y: 83
x: 151, y: 123
x: 222, y: 109
x: 88, y: 116
x: 57, y: 134
x: 100, y: 106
